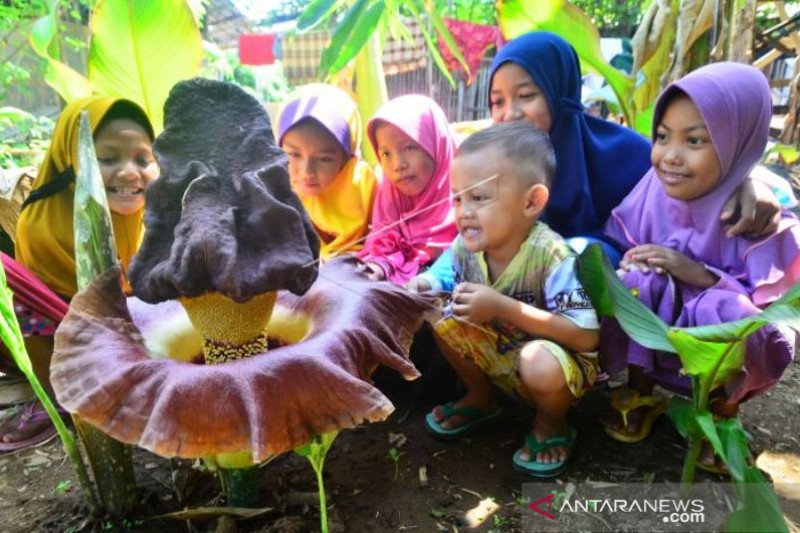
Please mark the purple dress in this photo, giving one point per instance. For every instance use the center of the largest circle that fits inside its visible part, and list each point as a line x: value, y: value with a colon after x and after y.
x: 751, y: 273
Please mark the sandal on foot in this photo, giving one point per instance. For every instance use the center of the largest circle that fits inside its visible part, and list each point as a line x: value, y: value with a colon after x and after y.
x: 544, y: 470
x: 14, y: 391
x: 623, y: 401
x: 474, y: 417
x: 718, y: 467
x: 34, y: 412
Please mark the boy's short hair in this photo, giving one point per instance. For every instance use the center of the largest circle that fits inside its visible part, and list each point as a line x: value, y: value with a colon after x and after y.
x: 527, y: 149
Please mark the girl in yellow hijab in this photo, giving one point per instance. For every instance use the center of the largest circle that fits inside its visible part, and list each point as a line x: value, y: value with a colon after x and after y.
x: 320, y: 132
x: 123, y: 139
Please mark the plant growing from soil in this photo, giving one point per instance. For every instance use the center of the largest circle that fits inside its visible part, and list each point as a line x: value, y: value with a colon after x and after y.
x: 710, y: 355
x: 315, y: 451
x: 394, y: 456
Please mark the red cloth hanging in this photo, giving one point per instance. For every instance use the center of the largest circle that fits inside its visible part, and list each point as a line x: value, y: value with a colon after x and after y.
x: 473, y: 40
x: 257, y: 49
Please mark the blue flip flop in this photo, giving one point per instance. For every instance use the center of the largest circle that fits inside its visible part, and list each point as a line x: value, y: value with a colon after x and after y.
x: 475, y: 417
x: 544, y: 470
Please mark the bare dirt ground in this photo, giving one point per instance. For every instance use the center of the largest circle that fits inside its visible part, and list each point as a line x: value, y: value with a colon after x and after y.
x: 371, y: 488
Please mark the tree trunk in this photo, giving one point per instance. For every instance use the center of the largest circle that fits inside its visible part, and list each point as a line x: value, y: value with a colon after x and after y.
x: 742, y: 22
x: 791, y: 125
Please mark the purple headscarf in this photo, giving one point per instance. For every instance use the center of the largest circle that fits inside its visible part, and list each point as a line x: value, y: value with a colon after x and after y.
x: 735, y: 104
x: 331, y: 107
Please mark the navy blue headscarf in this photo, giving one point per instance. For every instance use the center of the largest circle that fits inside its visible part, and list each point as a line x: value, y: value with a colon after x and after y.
x: 598, y: 162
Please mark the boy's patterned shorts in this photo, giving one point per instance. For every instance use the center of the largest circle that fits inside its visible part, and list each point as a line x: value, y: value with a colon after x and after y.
x: 479, y: 344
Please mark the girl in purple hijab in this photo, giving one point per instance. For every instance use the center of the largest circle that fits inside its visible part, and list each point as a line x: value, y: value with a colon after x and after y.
x: 709, y: 130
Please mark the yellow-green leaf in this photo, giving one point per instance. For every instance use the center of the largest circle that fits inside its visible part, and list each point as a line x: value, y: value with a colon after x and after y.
x: 316, y: 12
x: 561, y: 17
x: 715, y: 361
x: 68, y: 83
x: 141, y: 48
x: 351, y: 34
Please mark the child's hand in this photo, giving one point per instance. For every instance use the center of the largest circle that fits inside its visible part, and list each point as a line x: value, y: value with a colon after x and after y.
x: 476, y: 303
x: 418, y: 284
x: 666, y: 260
x: 372, y: 271
x: 757, y: 207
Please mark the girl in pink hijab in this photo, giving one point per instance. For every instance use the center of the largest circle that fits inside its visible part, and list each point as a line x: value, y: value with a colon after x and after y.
x: 412, y: 219
x: 710, y: 128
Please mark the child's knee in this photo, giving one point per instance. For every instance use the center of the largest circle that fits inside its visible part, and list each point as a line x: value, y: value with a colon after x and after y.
x: 539, y: 370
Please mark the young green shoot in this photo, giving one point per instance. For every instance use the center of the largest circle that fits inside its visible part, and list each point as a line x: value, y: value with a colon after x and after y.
x: 315, y: 451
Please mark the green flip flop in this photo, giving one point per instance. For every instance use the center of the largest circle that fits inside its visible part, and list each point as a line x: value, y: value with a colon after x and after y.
x: 475, y: 417
x: 544, y: 470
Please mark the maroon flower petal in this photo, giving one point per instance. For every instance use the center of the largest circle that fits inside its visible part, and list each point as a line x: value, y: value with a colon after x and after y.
x: 269, y: 403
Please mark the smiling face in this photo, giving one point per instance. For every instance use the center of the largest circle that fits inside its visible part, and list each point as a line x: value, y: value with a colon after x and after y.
x: 493, y: 215
x: 315, y: 157
x: 515, y: 96
x: 125, y: 155
x: 407, y: 165
x: 683, y: 155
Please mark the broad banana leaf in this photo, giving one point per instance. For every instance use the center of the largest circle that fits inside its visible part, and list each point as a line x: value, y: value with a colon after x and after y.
x: 141, y: 48
x: 68, y: 83
x: 653, y: 71
x: 561, y: 17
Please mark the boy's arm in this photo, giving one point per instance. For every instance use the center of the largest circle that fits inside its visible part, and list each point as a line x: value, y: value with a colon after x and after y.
x: 439, y: 277
x: 552, y: 326
x: 566, y: 316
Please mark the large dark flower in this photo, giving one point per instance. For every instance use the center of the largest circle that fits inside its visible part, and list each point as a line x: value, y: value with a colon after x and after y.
x: 221, y: 217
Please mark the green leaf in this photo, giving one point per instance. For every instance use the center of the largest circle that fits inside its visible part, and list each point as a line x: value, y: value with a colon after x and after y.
x: 649, y: 77
x: 711, y: 362
x: 316, y: 12
x: 734, y: 441
x: 612, y: 299
x: 447, y: 37
x: 350, y: 35
x: 372, y: 92
x: 67, y: 82
x: 561, y: 17
x: 644, y: 121
x: 43, y: 32
x: 397, y: 28
x: 433, y: 46
x: 592, y: 265
x: 141, y: 48
x: 317, y: 448
x: 705, y: 421
x: 95, y: 251
x: 682, y: 413
x: 758, y: 507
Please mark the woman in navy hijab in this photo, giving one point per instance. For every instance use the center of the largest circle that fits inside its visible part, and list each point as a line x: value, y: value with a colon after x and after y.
x: 536, y: 77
